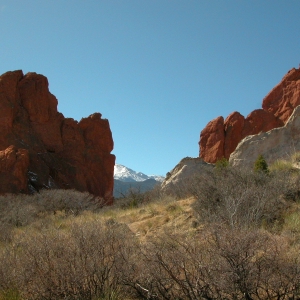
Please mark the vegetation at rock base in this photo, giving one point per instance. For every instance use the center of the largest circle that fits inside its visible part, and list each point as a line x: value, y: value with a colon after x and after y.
x: 227, y: 234
x: 222, y: 163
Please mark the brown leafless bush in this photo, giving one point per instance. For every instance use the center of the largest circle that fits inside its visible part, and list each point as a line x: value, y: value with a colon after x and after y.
x: 70, y: 201
x: 254, y: 264
x: 240, y: 198
x: 82, y: 263
x: 135, y: 198
x: 218, y: 264
x: 21, y: 210
x: 17, y: 210
x: 182, y: 268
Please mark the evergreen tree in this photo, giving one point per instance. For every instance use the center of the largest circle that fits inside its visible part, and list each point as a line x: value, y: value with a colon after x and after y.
x: 261, y: 165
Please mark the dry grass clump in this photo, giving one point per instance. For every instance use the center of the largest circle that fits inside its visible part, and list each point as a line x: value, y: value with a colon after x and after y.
x: 283, y: 165
x: 296, y: 157
x: 292, y: 222
x: 292, y: 164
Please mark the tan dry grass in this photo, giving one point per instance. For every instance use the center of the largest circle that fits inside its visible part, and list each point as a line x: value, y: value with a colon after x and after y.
x: 154, y: 218
x: 148, y: 220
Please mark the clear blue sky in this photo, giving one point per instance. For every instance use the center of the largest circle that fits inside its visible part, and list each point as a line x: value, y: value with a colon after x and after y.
x: 158, y: 70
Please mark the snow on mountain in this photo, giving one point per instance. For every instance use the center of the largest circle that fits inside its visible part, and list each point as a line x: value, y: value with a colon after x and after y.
x: 157, y: 177
x: 125, y: 174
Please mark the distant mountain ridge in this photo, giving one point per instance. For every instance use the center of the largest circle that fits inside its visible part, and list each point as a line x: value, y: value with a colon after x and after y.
x: 126, y: 179
x: 125, y: 174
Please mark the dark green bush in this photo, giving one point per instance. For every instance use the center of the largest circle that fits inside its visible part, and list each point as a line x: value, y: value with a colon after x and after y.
x: 261, y: 165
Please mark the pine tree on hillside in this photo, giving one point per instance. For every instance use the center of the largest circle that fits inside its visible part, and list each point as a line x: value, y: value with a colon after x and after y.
x: 261, y: 165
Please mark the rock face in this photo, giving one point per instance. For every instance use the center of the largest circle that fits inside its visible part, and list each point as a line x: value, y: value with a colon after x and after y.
x: 39, y: 148
x: 220, y: 138
x: 184, y: 170
x: 212, y: 140
x: 14, y: 165
x: 284, y: 97
x: 278, y: 143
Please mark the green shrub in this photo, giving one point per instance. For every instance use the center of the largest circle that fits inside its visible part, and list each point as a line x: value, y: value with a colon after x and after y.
x: 222, y: 163
x: 261, y: 165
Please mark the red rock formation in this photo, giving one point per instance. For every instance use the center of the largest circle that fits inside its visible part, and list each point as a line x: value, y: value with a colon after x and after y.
x: 284, y: 97
x: 233, y: 127
x: 39, y: 148
x: 14, y: 164
x: 259, y: 120
x: 212, y: 137
x: 217, y: 142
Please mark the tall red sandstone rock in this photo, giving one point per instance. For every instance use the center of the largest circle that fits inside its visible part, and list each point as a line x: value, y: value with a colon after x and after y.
x: 284, y: 97
x: 41, y: 107
x: 233, y: 132
x: 277, y: 107
x: 212, y: 137
x: 39, y: 148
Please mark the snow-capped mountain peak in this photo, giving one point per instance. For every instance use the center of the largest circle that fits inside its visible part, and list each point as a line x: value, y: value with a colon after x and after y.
x: 157, y: 177
x: 123, y: 173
